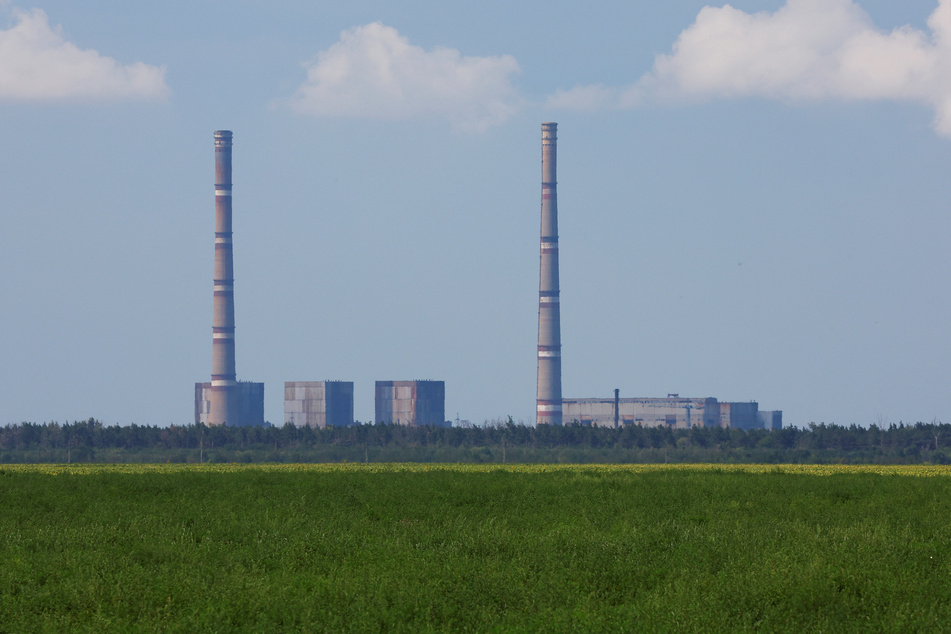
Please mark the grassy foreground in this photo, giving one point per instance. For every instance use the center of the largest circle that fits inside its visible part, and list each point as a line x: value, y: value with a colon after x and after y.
x: 478, y: 548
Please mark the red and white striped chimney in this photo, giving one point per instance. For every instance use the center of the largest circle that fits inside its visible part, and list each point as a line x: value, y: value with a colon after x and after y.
x: 223, y: 405
x: 548, y: 404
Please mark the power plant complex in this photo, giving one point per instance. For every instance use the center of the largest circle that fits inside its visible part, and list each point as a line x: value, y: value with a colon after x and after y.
x: 551, y: 408
x: 226, y: 401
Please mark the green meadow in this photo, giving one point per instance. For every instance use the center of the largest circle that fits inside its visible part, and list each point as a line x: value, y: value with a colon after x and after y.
x: 479, y: 548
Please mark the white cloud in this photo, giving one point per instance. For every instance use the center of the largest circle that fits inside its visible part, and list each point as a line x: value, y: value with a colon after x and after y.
x: 374, y: 72
x: 37, y: 64
x: 593, y: 97
x: 807, y: 51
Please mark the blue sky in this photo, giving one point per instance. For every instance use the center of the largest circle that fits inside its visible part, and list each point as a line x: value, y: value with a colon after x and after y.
x: 753, y: 201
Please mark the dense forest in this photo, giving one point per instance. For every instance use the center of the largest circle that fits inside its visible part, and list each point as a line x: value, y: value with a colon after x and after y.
x: 91, y: 441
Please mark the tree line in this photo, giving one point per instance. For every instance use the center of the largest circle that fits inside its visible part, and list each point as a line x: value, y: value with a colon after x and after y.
x: 92, y: 441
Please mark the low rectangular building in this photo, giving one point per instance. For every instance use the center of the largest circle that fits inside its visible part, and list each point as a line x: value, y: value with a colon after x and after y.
x: 318, y: 403
x: 672, y: 411
x: 411, y: 402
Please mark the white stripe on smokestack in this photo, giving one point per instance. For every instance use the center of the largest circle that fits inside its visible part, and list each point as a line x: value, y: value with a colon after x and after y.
x: 548, y: 403
x: 223, y: 406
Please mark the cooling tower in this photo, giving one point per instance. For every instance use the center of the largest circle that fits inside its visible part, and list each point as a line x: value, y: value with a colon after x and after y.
x: 548, y: 402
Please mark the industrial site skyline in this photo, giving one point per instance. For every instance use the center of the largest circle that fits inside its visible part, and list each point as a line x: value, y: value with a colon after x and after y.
x: 768, y: 224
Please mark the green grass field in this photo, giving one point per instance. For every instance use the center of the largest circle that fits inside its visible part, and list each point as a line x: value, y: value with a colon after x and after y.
x: 477, y: 548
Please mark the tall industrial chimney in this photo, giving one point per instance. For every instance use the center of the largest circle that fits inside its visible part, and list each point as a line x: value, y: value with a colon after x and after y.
x: 223, y: 397
x: 548, y: 403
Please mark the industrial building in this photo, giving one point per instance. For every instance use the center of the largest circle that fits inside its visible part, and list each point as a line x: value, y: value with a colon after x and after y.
x: 769, y: 419
x: 411, y: 402
x: 225, y: 401
x: 551, y: 408
x: 673, y: 411
x: 318, y: 403
x: 248, y: 402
